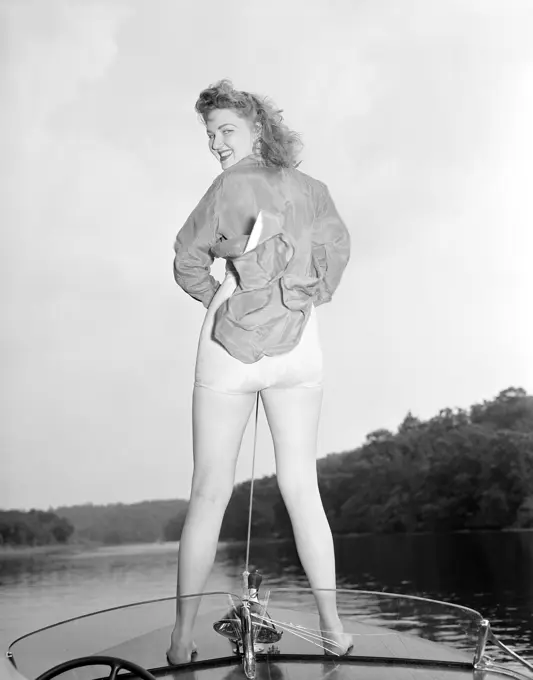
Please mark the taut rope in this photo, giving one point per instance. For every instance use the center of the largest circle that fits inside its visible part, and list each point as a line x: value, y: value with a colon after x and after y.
x: 250, y: 506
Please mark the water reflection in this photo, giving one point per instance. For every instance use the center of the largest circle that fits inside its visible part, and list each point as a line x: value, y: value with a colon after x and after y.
x: 489, y: 572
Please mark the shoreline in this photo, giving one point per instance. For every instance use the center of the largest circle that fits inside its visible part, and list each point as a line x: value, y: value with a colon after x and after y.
x: 8, y: 551
x: 23, y: 550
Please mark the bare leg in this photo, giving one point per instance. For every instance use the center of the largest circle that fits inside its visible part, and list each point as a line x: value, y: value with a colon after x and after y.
x: 219, y: 421
x: 293, y: 416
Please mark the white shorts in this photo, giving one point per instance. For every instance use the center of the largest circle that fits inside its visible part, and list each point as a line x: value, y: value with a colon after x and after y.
x: 218, y: 370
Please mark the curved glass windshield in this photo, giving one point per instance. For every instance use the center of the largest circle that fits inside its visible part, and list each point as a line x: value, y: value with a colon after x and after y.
x: 382, y: 625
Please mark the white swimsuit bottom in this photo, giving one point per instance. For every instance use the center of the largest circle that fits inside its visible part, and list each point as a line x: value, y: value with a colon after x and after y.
x: 218, y: 370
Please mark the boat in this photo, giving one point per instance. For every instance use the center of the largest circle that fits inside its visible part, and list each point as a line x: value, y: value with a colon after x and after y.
x: 271, y: 636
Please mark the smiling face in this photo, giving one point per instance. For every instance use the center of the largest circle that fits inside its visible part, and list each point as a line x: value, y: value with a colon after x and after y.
x: 231, y: 138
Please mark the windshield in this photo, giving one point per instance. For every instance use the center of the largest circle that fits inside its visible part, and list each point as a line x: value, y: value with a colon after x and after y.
x: 383, y: 626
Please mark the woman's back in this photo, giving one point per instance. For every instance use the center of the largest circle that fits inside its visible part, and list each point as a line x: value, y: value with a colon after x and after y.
x: 316, y: 239
x: 250, y: 186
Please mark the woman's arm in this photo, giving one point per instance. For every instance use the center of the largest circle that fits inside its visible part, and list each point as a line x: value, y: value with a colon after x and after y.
x: 331, y: 246
x: 193, y: 249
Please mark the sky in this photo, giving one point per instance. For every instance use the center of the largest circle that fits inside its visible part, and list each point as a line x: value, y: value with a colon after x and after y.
x: 417, y: 115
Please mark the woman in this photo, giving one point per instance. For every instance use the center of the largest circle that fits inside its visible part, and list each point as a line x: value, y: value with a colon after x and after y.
x: 260, y: 335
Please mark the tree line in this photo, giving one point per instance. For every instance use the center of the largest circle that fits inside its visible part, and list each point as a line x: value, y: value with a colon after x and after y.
x: 460, y: 470
x: 88, y: 524
x: 36, y: 527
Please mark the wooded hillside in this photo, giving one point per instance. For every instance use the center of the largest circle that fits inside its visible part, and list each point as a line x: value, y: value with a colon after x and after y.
x: 459, y: 470
x: 462, y: 469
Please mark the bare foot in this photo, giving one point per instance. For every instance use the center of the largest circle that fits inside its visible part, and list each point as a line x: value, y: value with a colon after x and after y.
x: 181, y: 651
x: 335, y: 641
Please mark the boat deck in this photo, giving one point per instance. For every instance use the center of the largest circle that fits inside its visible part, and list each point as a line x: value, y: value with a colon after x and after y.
x: 394, y: 639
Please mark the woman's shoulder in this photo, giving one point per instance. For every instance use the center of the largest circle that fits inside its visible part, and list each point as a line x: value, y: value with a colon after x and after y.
x: 251, y: 167
x: 251, y: 173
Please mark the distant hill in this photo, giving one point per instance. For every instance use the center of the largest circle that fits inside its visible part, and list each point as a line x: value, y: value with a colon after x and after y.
x: 144, y: 522
x: 460, y: 470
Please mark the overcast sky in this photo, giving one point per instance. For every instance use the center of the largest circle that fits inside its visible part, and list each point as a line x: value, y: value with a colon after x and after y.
x: 417, y: 114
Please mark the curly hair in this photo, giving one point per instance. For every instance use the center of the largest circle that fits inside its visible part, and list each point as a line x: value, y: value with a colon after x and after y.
x: 277, y: 145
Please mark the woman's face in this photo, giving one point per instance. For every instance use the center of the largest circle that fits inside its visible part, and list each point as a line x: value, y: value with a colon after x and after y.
x: 231, y: 138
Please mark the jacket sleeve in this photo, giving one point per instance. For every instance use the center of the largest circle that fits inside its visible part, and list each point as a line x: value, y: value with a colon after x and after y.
x: 192, y: 248
x: 331, y: 246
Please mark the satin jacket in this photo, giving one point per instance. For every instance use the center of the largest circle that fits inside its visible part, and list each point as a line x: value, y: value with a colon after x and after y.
x: 298, y: 262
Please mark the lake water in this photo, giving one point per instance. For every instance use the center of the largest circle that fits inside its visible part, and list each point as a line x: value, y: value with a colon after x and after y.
x: 489, y: 572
